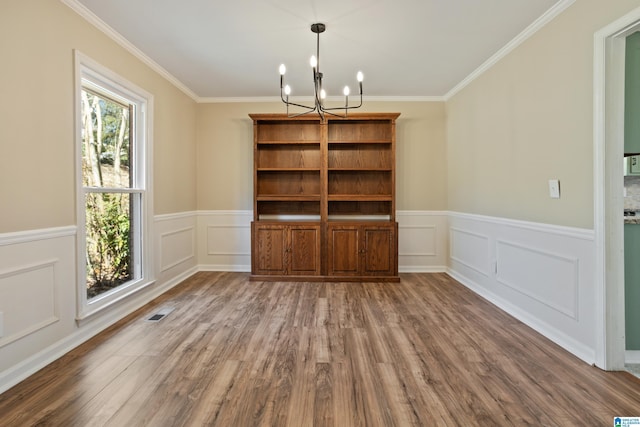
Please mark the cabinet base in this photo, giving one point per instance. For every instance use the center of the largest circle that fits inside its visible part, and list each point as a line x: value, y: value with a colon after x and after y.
x: 274, y: 278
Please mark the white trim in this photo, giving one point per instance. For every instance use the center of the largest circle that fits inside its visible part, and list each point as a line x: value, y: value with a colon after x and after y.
x: 533, y: 28
x: 232, y: 226
x: 94, y: 20
x: 85, y: 68
x: 27, y: 268
x: 110, y: 299
x: 299, y: 99
x: 632, y: 356
x: 173, y: 216
x: 91, y: 327
x: 31, y: 365
x: 36, y: 235
x: 51, y: 263
x: 574, y: 232
x: 566, y: 254
x: 423, y: 269
x: 186, y: 258
x: 234, y: 268
x: 578, y: 349
x: 422, y: 213
x: 573, y: 261
x: 221, y: 212
x: 608, y: 125
x: 419, y: 227
x: 484, y: 237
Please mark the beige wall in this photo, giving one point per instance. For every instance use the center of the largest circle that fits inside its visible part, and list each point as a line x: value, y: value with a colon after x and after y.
x: 490, y: 150
x: 37, y: 172
x: 225, y: 153
x: 529, y: 119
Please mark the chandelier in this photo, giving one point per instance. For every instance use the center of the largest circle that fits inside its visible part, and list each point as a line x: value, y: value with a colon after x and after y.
x: 319, y: 94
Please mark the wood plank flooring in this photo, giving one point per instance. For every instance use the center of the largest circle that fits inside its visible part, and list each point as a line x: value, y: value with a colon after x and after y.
x: 422, y: 352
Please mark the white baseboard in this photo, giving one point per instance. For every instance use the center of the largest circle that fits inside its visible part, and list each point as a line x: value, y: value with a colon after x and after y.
x: 219, y: 267
x: 220, y: 241
x: 632, y: 356
x: 576, y: 348
x: 31, y: 365
x: 224, y: 240
x: 540, y: 274
x: 423, y: 269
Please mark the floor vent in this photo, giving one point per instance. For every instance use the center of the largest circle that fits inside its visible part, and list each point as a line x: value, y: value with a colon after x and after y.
x: 161, y: 314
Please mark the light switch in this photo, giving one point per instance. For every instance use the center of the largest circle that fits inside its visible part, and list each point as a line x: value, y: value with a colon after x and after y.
x: 554, y: 188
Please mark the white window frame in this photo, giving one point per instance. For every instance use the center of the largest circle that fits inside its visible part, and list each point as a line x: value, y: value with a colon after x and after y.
x: 91, y: 74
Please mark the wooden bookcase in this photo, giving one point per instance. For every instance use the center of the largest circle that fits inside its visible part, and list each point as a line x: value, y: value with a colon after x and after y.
x: 324, y: 198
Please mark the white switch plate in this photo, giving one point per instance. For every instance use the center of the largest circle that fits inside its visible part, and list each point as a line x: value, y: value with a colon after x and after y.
x: 554, y: 188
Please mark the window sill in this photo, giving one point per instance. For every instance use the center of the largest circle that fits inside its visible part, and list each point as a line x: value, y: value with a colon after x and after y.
x: 101, y: 304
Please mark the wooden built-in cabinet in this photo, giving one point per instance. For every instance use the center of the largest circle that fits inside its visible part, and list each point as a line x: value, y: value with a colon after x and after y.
x: 335, y: 176
x: 362, y: 250
x: 286, y: 249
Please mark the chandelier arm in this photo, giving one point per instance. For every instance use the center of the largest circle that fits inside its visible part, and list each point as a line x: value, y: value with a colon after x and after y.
x: 318, y: 107
x: 352, y: 107
x: 291, y: 116
x: 326, y: 111
x: 299, y: 105
x: 286, y: 102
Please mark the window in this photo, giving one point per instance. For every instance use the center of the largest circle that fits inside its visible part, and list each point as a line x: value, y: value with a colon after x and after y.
x: 113, y: 152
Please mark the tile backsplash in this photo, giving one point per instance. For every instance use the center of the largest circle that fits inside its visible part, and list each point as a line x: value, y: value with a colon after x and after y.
x: 632, y: 185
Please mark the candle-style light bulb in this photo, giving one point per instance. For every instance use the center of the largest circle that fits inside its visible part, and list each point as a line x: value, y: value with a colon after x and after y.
x: 323, y: 94
x: 359, y: 76
x: 287, y: 90
x: 313, y: 61
x: 346, y: 91
x: 283, y: 69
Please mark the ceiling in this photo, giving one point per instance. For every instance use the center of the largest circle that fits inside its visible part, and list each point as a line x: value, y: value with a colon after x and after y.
x: 405, y: 48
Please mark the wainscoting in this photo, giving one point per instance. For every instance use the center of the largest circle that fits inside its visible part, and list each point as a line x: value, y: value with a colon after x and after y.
x: 38, y: 291
x: 224, y: 242
x: 422, y: 241
x: 176, y: 245
x: 37, y: 295
x: 540, y: 274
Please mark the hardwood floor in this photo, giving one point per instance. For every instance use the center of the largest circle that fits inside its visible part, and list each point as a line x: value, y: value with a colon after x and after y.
x: 424, y: 352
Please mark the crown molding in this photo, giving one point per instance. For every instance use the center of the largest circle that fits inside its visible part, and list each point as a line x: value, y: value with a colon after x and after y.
x: 266, y: 99
x: 239, y: 99
x: 90, y: 17
x: 543, y: 20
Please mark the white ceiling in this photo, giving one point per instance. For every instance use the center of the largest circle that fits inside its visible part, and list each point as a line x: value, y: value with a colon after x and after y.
x: 405, y: 48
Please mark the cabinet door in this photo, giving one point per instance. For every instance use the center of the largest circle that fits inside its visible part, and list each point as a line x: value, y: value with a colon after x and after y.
x: 343, y: 250
x: 270, y: 244
x: 379, y: 250
x: 304, y: 250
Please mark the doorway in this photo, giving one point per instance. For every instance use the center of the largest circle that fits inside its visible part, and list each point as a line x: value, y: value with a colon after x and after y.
x: 608, y: 131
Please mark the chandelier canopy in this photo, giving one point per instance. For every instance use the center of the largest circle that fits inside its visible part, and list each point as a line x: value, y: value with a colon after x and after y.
x: 319, y: 94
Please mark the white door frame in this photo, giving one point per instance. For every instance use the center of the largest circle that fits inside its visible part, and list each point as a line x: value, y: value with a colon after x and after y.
x: 608, y: 136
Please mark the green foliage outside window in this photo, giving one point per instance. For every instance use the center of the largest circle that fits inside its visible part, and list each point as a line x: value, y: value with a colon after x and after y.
x: 105, y: 166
